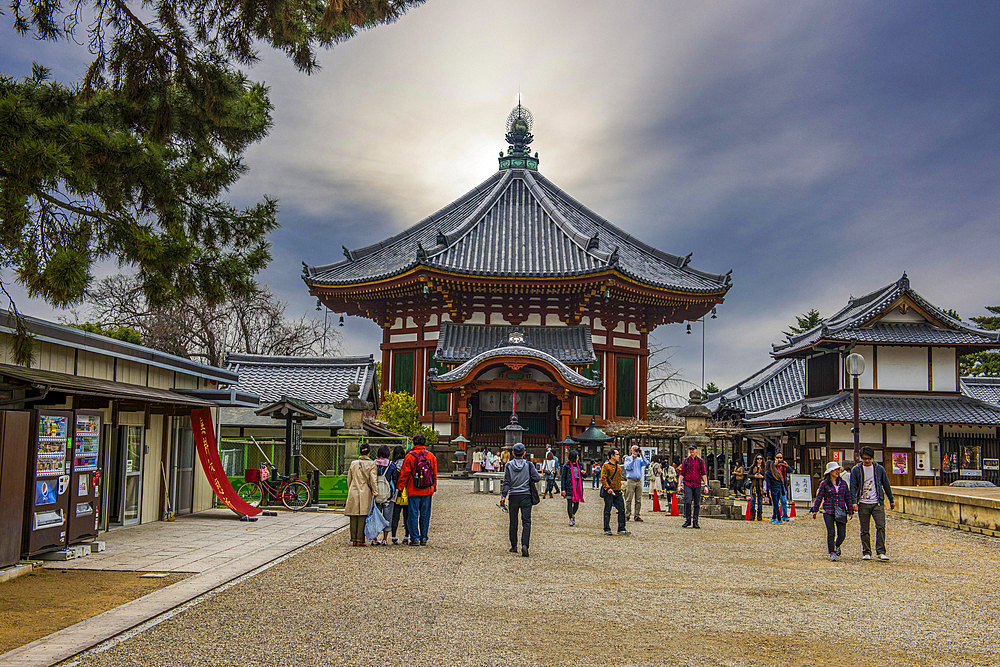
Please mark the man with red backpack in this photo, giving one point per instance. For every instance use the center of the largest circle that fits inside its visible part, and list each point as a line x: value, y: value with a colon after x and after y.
x: 419, y: 476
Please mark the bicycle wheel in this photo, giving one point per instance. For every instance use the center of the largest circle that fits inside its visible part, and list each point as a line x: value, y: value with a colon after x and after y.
x: 296, y: 495
x: 251, y: 493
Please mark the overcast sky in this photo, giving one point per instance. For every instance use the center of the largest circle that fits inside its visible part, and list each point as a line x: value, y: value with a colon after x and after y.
x: 817, y: 149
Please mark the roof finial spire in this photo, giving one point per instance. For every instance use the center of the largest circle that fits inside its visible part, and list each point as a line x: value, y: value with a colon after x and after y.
x: 519, y: 138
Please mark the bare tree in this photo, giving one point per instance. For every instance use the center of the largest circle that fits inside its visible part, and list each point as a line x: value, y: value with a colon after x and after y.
x: 193, y: 329
x: 663, y: 381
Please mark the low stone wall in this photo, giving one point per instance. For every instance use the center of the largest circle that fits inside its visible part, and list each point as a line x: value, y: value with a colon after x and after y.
x: 975, y: 510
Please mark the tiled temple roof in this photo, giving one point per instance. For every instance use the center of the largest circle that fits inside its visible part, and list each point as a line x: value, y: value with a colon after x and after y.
x: 780, y: 383
x: 317, y: 380
x: 460, y: 342
x: 517, y: 224
x: 986, y: 389
x: 848, y: 324
x: 921, y: 409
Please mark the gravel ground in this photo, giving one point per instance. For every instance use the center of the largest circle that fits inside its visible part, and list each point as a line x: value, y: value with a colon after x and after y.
x: 733, y: 593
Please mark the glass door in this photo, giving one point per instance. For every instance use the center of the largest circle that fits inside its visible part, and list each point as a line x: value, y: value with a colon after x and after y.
x: 182, y: 482
x: 132, y: 488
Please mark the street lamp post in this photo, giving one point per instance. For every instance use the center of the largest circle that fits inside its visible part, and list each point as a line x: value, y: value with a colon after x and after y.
x: 855, y: 367
x: 702, y: 320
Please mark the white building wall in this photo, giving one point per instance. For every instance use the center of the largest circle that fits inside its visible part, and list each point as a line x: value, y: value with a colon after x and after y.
x: 897, y: 435
x: 926, y: 434
x: 867, y: 379
x: 902, y: 368
x: 943, y: 364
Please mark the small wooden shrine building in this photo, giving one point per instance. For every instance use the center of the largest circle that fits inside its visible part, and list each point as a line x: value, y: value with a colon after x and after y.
x: 516, y: 286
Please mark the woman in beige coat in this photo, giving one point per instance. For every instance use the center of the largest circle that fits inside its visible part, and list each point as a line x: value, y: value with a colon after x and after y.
x: 362, y: 486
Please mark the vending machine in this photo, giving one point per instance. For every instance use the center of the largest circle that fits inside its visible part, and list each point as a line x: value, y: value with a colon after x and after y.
x: 84, y: 484
x: 48, y: 482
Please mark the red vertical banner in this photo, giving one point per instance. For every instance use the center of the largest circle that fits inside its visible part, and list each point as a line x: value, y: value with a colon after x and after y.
x: 208, y: 452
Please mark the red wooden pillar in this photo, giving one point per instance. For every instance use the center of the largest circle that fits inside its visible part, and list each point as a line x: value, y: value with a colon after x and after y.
x: 643, y: 370
x: 386, y: 362
x: 463, y: 414
x: 565, y: 411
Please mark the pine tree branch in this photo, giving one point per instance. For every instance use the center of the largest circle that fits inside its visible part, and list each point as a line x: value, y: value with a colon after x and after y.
x: 66, y: 205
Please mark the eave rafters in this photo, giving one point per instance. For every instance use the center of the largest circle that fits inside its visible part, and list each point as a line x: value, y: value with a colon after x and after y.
x: 609, y: 295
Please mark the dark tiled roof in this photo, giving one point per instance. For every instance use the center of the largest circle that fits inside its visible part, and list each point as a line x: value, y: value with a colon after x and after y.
x: 885, y: 408
x: 460, y: 342
x: 845, y: 325
x: 248, y: 418
x: 986, y: 389
x: 317, y: 380
x: 517, y: 224
x: 780, y: 383
x: 568, y: 374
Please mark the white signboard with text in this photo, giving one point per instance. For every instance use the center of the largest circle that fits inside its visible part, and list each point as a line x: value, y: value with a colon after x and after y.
x: 801, y: 488
x: 647, y: 481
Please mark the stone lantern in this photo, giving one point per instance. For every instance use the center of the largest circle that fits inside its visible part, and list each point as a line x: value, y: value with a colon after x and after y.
x: 695, y: 418
x: 353, y: 409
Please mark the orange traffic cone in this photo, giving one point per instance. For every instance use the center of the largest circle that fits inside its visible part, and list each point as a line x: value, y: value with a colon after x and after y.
x: 673, y: 505
x: 749, y: 516
x: 656, y: 502
x: 791, y: 510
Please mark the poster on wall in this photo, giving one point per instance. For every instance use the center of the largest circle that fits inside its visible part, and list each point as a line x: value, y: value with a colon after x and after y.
x: 991, y: 464
x: 900, y: 463
x: 971, y: 463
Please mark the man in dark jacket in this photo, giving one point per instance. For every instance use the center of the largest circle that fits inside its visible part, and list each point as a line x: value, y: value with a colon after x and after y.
x: 869, y: 488
x: 518, y: 475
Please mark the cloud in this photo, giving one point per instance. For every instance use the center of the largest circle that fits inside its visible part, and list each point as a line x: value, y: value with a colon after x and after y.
x: 816, y: 149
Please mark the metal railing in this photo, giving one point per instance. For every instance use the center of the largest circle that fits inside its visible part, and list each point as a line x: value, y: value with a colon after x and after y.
x: 325, y: 454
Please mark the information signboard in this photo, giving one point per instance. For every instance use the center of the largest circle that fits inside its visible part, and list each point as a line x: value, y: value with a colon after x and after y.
x: 801, y: 488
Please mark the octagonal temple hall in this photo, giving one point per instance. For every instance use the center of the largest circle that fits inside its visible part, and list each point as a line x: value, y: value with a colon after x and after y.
x: 516, y: 285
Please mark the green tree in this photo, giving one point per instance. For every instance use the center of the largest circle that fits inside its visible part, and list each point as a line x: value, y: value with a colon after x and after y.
x: 712, y: 388
x: 983, y: 363
x: 126, y: 334
x: 132, y: 164
x: 804, y: 322
x: 399, y: 412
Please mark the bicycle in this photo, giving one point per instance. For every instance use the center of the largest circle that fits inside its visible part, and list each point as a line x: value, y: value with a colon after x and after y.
x: 293, y: 493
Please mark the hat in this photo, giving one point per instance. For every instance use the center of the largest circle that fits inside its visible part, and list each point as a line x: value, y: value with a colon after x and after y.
x: 690, y: 447
x: 518, y: 449
x: 831, y: 466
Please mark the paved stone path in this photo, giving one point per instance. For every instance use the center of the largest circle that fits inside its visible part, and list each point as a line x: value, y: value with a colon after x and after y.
x: 733, y: 593
x: 196, y: 542
x: 214, y: 544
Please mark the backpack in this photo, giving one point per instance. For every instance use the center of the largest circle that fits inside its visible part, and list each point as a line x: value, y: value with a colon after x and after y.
x: 385, y: 492
x: 423, y: 471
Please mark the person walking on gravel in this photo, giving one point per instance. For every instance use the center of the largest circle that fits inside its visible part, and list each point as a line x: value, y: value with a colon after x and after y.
x: 595, y: 474
x: 549, y: 468
x: 655, y: 478
x: 635, y: 465
x: 694, y: 474
x: 515, y: 491
x: 774, y: 486
x: 572, y: 485
x: 611, y: 491
x: 399, y: 507
x: 387, y: 474
x: 419, y: 477
x: 835, y: 496
x: 362, y: 486
x: 869, y: 488
x: 756, y: 498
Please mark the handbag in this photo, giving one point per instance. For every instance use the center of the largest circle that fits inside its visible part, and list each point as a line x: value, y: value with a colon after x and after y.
x: 375, y: 523
x: 533, y: 488
x: 840, y: 514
